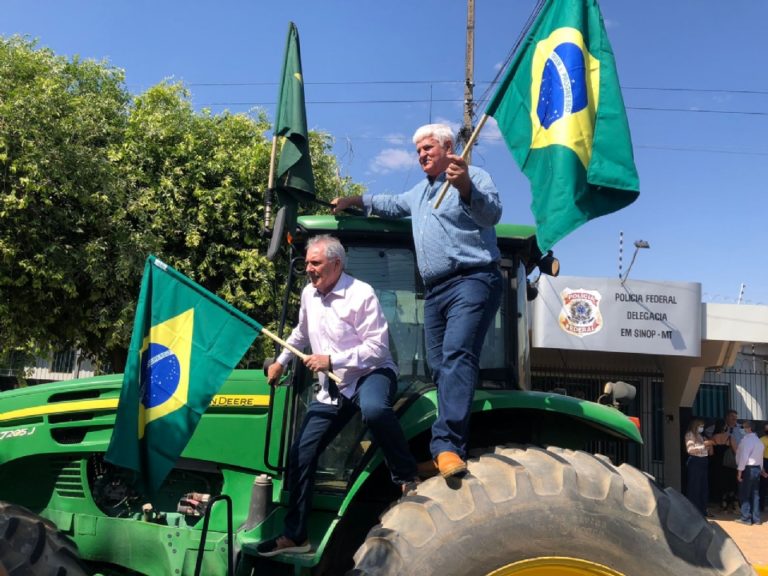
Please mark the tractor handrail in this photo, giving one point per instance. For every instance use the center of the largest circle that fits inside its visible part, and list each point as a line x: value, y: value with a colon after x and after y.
x: 204, y: 534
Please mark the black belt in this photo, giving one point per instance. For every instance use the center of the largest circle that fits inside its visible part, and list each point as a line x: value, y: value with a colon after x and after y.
x: 752, y: 466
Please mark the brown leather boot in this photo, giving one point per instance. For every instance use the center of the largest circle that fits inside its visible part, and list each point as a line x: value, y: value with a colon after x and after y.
x: 450, y: 464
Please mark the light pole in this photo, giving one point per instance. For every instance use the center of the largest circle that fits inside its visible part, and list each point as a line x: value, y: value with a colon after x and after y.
x: 638, y: 244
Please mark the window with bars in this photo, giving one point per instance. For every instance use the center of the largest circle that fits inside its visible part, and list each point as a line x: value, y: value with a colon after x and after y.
x: 63, y: 361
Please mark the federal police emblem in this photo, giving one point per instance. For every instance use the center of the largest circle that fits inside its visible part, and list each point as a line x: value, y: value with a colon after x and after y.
x: 580, y: 315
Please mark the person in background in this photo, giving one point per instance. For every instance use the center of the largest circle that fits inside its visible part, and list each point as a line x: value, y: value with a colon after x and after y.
x: 732, y: 426
x: 722, y: 479
x: 697, y: 465
x: 341, y: 319
x: 749, y: 462
x: 764, y: 480
x: 458, y: 259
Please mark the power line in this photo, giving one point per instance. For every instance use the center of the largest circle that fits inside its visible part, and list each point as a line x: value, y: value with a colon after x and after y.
x: 327, y: 83
x: 457, y: 100
x: 702, y: 149
x: 461, y: 83
x: 698, y: 110
x: 345, y: 102
x: 705, y: 90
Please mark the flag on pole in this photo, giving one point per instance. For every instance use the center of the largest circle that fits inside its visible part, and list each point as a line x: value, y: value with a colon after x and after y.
x: 294, y: 168
x: 562, y: 115
x: 185, y: 342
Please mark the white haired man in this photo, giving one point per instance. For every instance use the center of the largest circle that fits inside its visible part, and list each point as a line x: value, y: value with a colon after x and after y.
x: 341, y: 319
x: 457, y: 256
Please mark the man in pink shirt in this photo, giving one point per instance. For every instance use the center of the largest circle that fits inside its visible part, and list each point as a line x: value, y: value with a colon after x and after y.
x: 342, y: 321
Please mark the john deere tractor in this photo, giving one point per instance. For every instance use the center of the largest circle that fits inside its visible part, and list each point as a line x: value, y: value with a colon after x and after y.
x: 536, y: 500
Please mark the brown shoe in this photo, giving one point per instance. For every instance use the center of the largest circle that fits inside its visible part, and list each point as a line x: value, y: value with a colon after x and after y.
x: 282, y: 545
x: 450, y: 464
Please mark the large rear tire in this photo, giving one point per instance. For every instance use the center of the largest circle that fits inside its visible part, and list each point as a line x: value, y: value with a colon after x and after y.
x: 32, y: 546
x: 528, y: 511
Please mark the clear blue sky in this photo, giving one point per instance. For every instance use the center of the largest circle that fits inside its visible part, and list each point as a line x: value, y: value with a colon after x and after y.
x: 692, y: 71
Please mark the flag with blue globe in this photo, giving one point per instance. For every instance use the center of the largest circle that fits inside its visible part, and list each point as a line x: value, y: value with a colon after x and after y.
x: 560, y: 110
x: 185, y: 342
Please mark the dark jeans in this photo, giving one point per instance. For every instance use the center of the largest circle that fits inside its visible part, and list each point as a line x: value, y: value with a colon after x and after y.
x: 764, y: 487
x: 698, y: 482
x: 374, y: 397
x: 749, y: 494
x: 457, y: 314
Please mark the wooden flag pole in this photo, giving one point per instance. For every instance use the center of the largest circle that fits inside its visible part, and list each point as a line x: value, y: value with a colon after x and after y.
x: 296, y: 351
x: 464, y: 154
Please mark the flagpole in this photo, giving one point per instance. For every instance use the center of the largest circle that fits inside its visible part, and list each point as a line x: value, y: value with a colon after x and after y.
x: 270, y: 185
x: 296, y: 351
x: 464, y: 154
x: 271, y: 180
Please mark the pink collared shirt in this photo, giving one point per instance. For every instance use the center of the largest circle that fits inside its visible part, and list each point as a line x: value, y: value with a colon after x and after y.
x: 348, y: 324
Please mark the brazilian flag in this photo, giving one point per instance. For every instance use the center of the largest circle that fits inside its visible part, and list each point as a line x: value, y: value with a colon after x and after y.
x: 562, y: 115
x: 185, y: 342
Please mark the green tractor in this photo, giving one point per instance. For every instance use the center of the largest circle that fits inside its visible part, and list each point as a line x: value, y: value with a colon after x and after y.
x: 536, y: 500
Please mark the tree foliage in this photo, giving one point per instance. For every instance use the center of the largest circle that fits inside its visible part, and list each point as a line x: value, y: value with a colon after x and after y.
x: 93, y: 180
x: 59, y: 194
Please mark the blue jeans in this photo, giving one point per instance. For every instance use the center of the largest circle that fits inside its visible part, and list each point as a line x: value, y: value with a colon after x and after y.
x: 749, y: 494
x: 457, y: 314
x: 374, y: 398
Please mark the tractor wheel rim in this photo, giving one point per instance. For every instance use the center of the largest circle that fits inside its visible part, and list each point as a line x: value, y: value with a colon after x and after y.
x: 554, y: 566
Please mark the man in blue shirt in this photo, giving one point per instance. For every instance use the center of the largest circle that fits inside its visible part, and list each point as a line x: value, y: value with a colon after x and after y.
x: 457, y: 256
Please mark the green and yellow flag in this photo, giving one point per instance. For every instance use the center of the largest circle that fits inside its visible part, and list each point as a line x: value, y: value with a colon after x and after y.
x: 562, y: 115
x: 185, y: 342
x: 294, y: 167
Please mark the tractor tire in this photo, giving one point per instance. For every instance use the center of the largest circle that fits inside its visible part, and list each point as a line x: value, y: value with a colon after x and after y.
x: 30, y: 545
x: 530, y: 511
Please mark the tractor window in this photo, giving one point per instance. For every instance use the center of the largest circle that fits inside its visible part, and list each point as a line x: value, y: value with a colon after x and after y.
x: 393, y: 275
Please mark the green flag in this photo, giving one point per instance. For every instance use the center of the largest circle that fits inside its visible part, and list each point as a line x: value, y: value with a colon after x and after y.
x: 562, y: 115
x: 185, y: 343
x: 294, y: 168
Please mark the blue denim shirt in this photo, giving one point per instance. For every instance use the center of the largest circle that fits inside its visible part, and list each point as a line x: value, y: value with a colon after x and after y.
x: 456, y: 236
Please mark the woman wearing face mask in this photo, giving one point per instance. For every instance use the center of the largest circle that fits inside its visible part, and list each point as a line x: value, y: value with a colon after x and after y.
x: 697, y: 465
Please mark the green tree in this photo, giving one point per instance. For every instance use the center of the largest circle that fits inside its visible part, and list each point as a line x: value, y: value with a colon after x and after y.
x: 58, y: 194
x: 196, y: 184
x: 94, y: 181
x: 192, y: 183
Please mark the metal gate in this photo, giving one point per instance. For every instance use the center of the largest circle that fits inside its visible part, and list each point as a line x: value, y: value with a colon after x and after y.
x: 588, y: 383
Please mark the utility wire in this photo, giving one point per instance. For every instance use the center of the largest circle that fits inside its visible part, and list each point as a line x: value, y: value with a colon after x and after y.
x: 695, y: 110
x: 461, y: 83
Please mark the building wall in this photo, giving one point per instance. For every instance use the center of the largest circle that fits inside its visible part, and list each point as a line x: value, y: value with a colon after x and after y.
x: 63, y: 365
